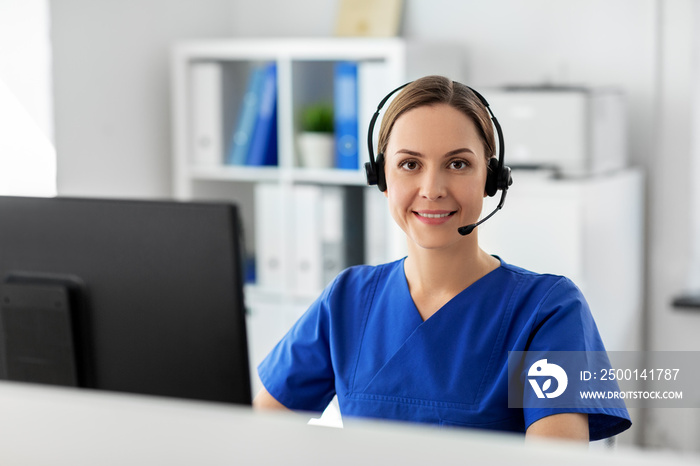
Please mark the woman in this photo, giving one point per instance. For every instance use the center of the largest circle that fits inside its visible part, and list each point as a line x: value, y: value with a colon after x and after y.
x: 426, y: 338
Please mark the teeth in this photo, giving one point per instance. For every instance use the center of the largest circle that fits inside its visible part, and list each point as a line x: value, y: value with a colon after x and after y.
x: 433, y: 215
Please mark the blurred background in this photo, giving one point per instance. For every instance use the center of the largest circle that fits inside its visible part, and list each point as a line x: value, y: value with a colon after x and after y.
x: 86, y: 109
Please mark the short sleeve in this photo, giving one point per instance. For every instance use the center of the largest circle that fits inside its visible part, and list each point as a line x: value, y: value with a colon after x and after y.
x: 564, y: 323
x: 298, y: 372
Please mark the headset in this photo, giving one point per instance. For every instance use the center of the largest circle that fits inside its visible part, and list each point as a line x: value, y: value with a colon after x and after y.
x: 498, y: 177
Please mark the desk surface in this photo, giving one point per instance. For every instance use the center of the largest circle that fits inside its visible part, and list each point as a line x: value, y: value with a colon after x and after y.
x: 43, y: 425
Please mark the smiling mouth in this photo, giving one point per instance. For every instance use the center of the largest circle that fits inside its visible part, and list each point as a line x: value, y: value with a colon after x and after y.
x: 443, y: 215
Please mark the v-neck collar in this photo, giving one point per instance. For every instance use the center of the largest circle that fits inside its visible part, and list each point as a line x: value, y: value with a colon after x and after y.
x: 414, y: 309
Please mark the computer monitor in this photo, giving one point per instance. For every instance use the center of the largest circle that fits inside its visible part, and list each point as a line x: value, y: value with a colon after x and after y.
x: 124, y: 295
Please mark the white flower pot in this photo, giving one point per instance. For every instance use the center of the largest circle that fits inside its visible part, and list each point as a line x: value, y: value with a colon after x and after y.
x: 316, y: 150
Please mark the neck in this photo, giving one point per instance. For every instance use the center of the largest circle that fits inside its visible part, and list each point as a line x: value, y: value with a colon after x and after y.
x: 449, y: 270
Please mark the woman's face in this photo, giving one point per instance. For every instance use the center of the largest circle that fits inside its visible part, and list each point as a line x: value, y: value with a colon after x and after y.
x: 436, y: 173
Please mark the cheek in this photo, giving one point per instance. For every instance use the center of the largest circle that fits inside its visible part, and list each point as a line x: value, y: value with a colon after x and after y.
x: 471, y: 192
x: 396, y: 196
x: 399, y: 200
x: 395, y: 190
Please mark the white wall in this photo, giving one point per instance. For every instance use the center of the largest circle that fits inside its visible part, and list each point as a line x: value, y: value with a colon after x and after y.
x: 25, y: 58
x: 111, y: 87
x: 112, y: 122
x: 27, y: 155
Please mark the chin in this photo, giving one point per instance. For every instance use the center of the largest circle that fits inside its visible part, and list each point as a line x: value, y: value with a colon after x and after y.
x: 437, y: 243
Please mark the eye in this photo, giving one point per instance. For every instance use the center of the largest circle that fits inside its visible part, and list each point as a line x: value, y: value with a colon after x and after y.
x: 459, y: 164
x: 409, y: 165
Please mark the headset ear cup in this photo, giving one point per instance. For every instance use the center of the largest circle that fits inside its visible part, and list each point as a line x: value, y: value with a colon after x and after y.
x: 371, y: 174
x: 491, y: 187
x: 505, y: 179
x: 379, y: 169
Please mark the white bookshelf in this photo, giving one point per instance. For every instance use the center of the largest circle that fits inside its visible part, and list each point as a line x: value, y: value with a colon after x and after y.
x: 304, y: 68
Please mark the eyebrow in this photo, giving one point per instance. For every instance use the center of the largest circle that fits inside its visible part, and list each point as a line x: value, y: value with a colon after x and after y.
x: 448, y: 154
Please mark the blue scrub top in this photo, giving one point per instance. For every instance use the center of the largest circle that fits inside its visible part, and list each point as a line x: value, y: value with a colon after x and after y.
x: 364, y: 340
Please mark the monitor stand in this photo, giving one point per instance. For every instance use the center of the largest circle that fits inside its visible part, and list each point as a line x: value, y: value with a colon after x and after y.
x: 38, y: 331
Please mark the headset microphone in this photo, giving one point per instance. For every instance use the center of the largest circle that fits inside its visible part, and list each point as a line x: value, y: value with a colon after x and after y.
x: 465, y: 230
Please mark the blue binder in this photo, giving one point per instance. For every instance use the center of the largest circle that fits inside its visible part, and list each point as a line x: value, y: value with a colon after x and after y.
x: 345, y: 105
x: 243, y: 134
x: 263, y: 145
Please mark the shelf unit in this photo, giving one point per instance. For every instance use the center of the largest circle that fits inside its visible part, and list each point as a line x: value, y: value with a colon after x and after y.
x: 304, y: 68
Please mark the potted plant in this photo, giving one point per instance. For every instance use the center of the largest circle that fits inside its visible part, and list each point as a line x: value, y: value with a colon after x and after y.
x: 316, y: 141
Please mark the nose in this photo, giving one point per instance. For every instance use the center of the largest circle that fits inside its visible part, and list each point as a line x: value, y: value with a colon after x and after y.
x: 433, y: 185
